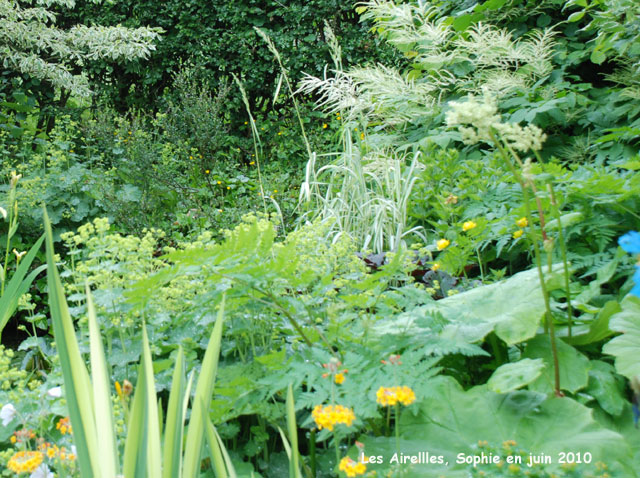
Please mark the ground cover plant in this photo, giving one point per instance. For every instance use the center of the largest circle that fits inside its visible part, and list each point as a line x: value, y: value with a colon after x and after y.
x: 421, y: 266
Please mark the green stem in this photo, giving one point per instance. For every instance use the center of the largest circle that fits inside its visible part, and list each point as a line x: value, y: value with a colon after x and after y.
x: 480, y: 264
x: 536, y: 249
x: 565, y: 262
x: 397, y: 424
x: 312, y: 452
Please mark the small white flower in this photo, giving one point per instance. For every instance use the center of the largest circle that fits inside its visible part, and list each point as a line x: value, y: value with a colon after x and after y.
x: 3, y: 212
x: 42, y: 471
x: 55, y: 392
x: 7, y: 414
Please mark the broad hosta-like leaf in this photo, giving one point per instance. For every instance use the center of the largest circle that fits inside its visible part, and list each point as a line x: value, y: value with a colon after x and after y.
x: 626, y: 347
x: 512, y: 376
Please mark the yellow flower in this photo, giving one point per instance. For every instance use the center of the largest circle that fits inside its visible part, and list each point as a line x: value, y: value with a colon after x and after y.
x: 206, y: 171
x: 228, y: 187
x: 388, y: 397
x: 252, y: 163
x: 467, y: 226
x: 219, y: 182
x: 25, y: 461
x: 331, y: 415
x: 13, y: 439
x: 362, y: 136
x: 64, y: 426
x: 522, y: 222
x: 443, y: 244
x: 351, y: 467
x: 435, y: 266
x: 405, y: 395
x: 517, y: 234
x: 246, y: 122
x: 275, y: 190
x: 339, y: 378
x: 279, y: 133
x: 190, y: 157
x: 324, y: 125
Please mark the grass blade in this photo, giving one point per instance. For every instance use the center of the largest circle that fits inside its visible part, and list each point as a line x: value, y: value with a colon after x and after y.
x: 174, y: 427
x: 108, y: 456
x: 77, y: 385
x: 18, y: 285
x: 204, y: 391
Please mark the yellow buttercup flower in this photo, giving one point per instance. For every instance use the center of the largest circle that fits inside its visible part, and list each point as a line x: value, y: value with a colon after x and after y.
x: 435, y: 266
x: 351, y: 467
x: 467, y: 226
x: 339, y: 378
x: 324, y: 125
x: 443, y: 244
x: 522, y: 222
x: 517, y: 234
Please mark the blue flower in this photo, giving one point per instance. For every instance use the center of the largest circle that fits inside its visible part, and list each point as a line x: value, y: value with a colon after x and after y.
x: 630, y: 242
x: 636, y: 279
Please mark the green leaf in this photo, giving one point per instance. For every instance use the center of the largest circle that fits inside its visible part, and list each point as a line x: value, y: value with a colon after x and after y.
x: 598, y: 57
x: 512, y: 376
x: 512, y: 308
x: 202, y: 397
x: 19, y: 285
x: 77, y: 385
x: 574, y: 367
x: 174, y: 427
x: 108, y: 455
x: 626, y: 347
x: 452, y: 421
x: 605, y: 388
x: 599, y: 328
x: 575, y: 16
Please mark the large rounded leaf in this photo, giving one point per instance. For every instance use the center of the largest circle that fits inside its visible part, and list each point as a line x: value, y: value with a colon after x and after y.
x: 512, y: 308
x: 512, y: 376
x: 453, y: 421
x: 626, y: 347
